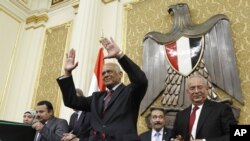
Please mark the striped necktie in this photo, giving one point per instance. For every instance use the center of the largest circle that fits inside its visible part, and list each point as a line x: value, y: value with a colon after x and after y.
x: 107, y: 98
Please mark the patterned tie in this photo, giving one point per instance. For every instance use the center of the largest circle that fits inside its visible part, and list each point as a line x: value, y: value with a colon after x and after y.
x: 192, y: 118
x: 157, y: 136
x: 107, y: 98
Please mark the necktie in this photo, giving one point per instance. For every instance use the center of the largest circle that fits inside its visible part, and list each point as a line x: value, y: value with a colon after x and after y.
x: 192, y: 118
x: 157, y: 136
x: 107, y: 98
x: 76, y: 119
x: 76, y: 124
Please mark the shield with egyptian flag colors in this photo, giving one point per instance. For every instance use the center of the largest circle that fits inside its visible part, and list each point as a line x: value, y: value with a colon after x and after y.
x: 184, y: 54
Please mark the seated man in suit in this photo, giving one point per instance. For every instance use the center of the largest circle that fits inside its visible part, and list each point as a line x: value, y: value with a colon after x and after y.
x: 203, y: 120
x: 48, y: 127
x: 79, y: 124
x: 158, y: 132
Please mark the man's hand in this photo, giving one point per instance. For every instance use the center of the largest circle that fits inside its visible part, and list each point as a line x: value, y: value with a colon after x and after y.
x: 70, y: 63
x: 68, y: 137
x: 196, y: 139
x: 112, y: 48
x: 38, y: 126
x: 178, y: 138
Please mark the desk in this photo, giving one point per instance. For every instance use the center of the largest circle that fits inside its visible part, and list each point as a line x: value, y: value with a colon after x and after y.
x: 14, y: 131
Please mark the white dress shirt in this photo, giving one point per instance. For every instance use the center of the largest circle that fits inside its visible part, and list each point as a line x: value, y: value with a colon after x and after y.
x: 197, y: 115
x: 154, y: 137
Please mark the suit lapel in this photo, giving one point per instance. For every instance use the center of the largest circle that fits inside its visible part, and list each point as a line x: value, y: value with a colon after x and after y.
x: 73, y: 119
x: 112, y: 108
x: 100, y: 102
x: 82, y: 116
x: 49, y: 124
x: 148, y: 136
x: 165, y: 135
x: 185, y: 121
x: 115, y: 94
x: 79, y: 122
x: 206, y: 110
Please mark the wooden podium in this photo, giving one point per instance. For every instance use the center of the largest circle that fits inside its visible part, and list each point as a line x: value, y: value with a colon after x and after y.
x: 14, y: 131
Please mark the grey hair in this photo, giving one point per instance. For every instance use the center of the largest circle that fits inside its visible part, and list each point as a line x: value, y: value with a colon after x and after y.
x: 204, y: 81
x: 117, y: 68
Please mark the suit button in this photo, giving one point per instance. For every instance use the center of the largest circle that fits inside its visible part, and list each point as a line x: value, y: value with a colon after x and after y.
x: 103, y: 126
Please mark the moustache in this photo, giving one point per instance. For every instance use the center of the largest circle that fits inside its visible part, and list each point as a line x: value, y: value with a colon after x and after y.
x: 158, y: 123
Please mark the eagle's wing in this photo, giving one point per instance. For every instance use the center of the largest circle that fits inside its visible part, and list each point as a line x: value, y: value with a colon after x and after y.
x: 220, y: 60
x: 155, y: 67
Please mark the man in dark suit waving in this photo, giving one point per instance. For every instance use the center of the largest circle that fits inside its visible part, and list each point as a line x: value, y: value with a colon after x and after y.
x: 157, y: 121
x: 114, y: 112
x: 204, y: 120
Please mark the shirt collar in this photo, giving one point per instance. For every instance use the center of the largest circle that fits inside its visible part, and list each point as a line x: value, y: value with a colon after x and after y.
x: 114, y: 88
x: 200, y: 106
x: 154, y: 131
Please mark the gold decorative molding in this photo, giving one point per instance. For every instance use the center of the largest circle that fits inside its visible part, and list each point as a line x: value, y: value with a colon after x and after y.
x: 53, y: 2
x: 129, y: 5
x: 107, y: 1
x: 9, y: 13
x: 37, y: 18
x: 75, y: 4
x: 56, y: 41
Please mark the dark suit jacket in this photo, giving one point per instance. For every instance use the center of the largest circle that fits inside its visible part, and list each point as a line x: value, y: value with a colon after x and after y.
x: 53, y: 130
x: 120, y: 119
x: 167, y: 134
x: 213, y: 123
x: 81, y: 128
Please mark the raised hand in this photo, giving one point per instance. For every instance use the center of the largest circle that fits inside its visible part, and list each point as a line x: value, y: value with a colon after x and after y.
x: 70, y: 63
x: 112, y: 48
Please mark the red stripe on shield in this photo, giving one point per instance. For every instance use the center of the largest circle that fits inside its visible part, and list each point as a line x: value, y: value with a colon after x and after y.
x: 171, y: 50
